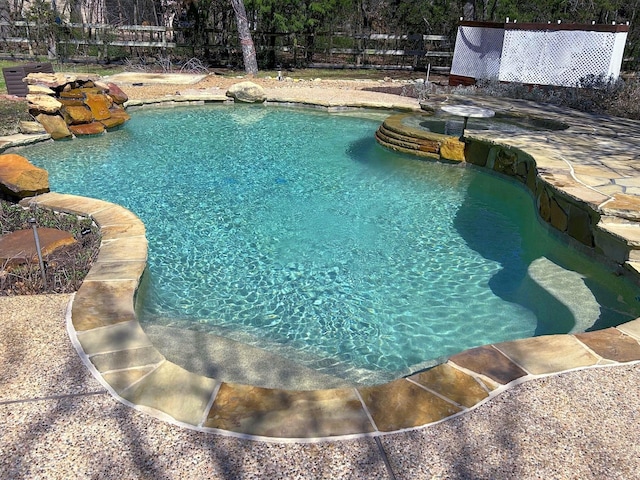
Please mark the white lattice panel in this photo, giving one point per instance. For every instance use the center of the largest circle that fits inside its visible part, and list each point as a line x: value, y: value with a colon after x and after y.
x: 477, y: 52
x: 542, y: 55
x: 556, y: 57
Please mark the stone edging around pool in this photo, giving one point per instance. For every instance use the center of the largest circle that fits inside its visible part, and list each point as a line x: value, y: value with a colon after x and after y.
x: 103, y: 326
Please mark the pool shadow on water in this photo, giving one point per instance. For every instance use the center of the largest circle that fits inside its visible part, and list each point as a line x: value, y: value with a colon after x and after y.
x: 514, y: 238
x: 567, y: 291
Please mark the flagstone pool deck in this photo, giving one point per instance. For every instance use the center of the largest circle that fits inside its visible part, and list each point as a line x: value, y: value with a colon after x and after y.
x: 596, y: 158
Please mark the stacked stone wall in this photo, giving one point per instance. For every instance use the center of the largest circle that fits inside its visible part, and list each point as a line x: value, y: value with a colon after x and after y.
x: 68, y: 105
x: 563, y: 212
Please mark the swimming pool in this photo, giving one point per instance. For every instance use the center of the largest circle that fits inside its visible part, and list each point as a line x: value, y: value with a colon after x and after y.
x: 295, y: 231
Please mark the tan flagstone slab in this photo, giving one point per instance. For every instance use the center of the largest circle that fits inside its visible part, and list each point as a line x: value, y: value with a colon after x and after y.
x: 175, y: 391
x: 631, y: 328
x: 625, y: 206
x: 99, y: 304
x: 585, y: 195
x: 114, y: 215
x: 611, y: 189
x: 403, y: 404
x: 287, y: 414
x: 130, y: 358
x: 112, y: 232
x: 127, y: 249
x: 548, y: 354
x: 104, y: 271
x: 116, y: 338
x: 123, y: 379
x: 453, y: 384
x: 596, y: 182
x: 489, y: 362
x: 629, y: 181
x: 595, y: 171
x: 611, y: 344
x: 628, y: 232
x: 72, y: 204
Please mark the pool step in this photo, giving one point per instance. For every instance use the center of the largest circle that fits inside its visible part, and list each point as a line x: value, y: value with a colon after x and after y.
x: 618, y: 240
x: 407, y: 144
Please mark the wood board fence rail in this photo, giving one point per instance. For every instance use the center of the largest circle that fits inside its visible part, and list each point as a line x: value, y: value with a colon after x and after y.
x: 404, y: 50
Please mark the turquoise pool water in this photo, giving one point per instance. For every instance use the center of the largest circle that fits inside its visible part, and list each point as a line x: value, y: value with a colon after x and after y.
x: 294, y: 231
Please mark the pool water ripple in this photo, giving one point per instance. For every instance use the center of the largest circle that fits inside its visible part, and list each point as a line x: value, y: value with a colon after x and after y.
x: 295, y: 231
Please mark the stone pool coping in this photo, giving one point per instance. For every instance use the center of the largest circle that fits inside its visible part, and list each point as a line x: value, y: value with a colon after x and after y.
x: 103, y: 326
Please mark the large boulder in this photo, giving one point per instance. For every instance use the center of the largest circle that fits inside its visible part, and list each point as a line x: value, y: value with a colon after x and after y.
x: 54, y: 125
x: 114, y: 91
x: 247, y: 92
x: 20, y: 178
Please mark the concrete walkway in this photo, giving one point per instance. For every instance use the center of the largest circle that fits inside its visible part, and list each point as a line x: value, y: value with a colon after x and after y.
x: 57, y: 422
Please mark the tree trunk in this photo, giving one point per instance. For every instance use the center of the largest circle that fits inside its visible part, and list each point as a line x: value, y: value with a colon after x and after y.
x: 248, y: 49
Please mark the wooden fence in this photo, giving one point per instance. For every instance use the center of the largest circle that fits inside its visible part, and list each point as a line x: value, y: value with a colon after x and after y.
x: 325, y: 49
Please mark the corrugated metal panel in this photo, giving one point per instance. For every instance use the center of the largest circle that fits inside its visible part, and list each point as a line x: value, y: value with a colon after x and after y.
x: 13, y: 76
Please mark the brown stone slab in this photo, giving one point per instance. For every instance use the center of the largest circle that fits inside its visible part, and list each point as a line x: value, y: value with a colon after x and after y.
x: 487, y: 361
x: 118, y: 117
x: 73, y: 93
x: 116, y: 338
x: 106, y: 271
x: 74, y: 115
x: 402, y: 404
x: 174, y: 391
x: 611, y: 344
x: 548, y: 353
x: 127, y: 249
x: 20, y: 246
x: 19, y: 177
x: 93, y: 128
x: 72, y: 102
x: 132, y: 358
x: 112, y: 122
x: 99, y: 304
x: 99, y: 105
x: 453, y: 384
x: 289, y: 414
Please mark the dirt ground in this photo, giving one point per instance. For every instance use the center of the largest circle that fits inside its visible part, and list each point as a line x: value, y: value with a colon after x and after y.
x: 148, y: 88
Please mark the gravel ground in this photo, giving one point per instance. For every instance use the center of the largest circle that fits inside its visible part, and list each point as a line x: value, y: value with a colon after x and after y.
x: 57, y: 422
